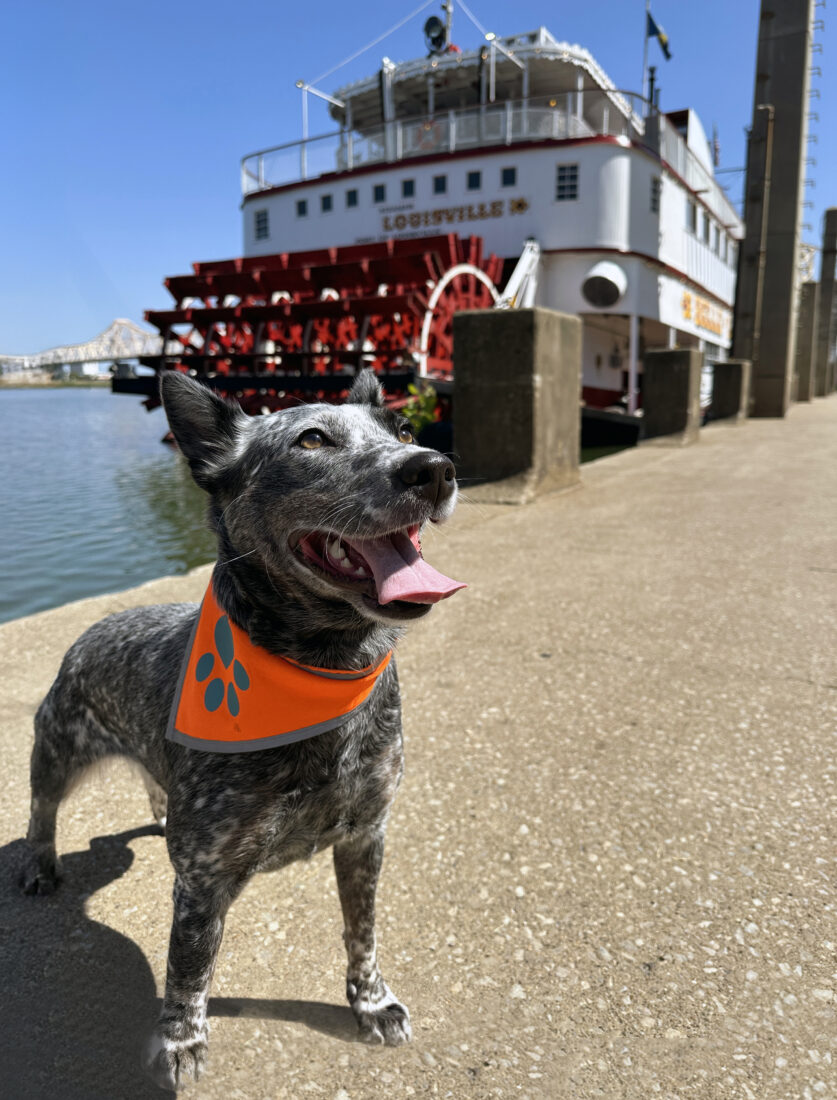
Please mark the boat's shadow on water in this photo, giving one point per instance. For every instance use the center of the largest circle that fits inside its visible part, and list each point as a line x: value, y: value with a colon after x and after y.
x: 77, y: 999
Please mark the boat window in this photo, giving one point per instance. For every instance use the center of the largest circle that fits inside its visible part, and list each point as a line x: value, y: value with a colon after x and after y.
x: 326, y: 203
x: 508, y: 177
x: 733, y: 253
x: 302, y: 208
x: 379, y: 192
x: 691, y: 216
x: 408, y: 189
x: 656, y: 187
x: 440, y: 185
x: 705, y: 228
x: 351, y: 197
x: 567, y: 182
x: 716, y: 239
x: 262, y: 225
x: 474, y: 181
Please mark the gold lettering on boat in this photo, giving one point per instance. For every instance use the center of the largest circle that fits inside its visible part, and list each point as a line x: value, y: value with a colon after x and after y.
x: 702, y: 313
x: 449, y: 215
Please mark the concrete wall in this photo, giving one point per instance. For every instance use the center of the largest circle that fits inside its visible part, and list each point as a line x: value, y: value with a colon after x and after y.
x: 516, y: 410
x: 671, y: 394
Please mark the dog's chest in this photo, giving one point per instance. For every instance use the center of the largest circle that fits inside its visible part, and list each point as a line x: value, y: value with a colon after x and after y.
x: 309, y: 821
x: 251, y: 819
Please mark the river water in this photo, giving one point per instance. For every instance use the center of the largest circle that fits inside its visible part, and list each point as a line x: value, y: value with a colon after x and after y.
x: 90, y: 500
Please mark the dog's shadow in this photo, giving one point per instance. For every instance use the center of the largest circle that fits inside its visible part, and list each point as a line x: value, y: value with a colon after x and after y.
x: 78, y: 1000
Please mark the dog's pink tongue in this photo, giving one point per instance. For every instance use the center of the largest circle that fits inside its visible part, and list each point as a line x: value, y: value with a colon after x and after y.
x: 401, y: 573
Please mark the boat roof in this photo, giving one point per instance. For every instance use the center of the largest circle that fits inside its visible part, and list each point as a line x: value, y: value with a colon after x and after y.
x: 554, y: 68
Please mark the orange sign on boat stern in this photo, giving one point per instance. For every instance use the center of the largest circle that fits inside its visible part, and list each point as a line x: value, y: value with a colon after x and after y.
x: 234, y: 696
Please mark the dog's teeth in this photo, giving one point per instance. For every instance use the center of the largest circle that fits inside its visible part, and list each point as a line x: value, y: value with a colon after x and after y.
x: 360, y: 571
x: 336, y: 549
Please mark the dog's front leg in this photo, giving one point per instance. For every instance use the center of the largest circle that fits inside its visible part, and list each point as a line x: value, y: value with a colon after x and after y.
x: 380, y: 1015
x: 177, y: 1047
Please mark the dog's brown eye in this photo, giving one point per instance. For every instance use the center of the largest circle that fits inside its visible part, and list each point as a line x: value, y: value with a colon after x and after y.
x: 405, y: 434
x: 312, y: 440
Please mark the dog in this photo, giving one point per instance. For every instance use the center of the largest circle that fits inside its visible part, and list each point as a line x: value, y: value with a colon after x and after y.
x: 318, y: 511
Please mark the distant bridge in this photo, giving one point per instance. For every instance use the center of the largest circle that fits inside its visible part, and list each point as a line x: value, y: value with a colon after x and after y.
x: 122, y: 339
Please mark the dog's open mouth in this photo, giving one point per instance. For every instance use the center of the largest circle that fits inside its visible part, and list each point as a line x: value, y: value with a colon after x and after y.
x: 385, y: 570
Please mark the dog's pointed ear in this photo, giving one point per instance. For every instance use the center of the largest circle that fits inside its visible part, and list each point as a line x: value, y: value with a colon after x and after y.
x: 366, y: 389
x: 207, y: 429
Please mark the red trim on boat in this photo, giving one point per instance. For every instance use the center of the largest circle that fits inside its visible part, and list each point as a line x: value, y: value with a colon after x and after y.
x: 598, y: 398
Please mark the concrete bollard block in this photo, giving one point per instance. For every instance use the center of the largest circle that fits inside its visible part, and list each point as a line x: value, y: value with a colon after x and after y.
x: 671, y: 394
x: 806, y: 341
x: 516, y: 407
x: 731, y: 389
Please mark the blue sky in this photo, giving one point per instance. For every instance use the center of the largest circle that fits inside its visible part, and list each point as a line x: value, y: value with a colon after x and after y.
x: 124, y: 124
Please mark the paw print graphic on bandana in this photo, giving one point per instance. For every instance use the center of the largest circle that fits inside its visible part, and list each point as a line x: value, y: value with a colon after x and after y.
x: 215, y: 692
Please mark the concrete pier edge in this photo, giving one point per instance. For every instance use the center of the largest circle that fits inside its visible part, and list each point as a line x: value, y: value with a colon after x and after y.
x: 612, y: 855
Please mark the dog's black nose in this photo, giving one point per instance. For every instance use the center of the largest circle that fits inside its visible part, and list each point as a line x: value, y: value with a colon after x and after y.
x: 431, y: 474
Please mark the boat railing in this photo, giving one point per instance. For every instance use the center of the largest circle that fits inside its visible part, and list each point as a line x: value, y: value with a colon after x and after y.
x: 568, y: 115
x: 680, y: 158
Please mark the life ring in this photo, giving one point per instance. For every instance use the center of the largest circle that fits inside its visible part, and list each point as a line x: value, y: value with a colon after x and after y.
x: 428, y: 136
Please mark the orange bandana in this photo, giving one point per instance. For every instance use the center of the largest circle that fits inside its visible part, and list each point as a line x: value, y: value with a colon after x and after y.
x: 233, y: 696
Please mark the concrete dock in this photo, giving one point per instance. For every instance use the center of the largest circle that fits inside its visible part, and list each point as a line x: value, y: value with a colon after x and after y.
x: 611, y: 867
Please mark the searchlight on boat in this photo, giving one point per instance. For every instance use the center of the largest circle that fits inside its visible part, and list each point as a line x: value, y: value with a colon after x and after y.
x: 604, y: 284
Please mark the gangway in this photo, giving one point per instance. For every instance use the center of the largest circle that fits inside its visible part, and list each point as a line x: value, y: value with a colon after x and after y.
x: 523, y: 283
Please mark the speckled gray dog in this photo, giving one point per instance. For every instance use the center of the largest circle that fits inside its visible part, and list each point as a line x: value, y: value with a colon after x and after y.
x: 285, y: 492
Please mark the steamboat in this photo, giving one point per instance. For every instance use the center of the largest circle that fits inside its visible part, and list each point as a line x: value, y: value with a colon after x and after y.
x: 508, y: 175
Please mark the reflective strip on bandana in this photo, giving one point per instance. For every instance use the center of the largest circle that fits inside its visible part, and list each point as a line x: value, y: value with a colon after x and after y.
x: 234, y: 696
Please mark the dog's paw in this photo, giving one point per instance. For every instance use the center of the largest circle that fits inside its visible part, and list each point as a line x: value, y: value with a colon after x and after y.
x: 382, y: 1019
x: 40, y: 876
x: 175, y: 1063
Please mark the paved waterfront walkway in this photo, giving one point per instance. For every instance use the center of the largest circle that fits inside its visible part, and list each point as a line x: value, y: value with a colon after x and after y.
x: 611, y: 869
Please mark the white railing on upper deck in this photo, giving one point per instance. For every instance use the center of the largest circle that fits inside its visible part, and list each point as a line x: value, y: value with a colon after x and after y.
x: 680, y: 158
x: 569, y: 115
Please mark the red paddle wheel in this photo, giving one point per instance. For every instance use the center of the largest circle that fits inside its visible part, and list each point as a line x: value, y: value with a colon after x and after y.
x: 271, y: 330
